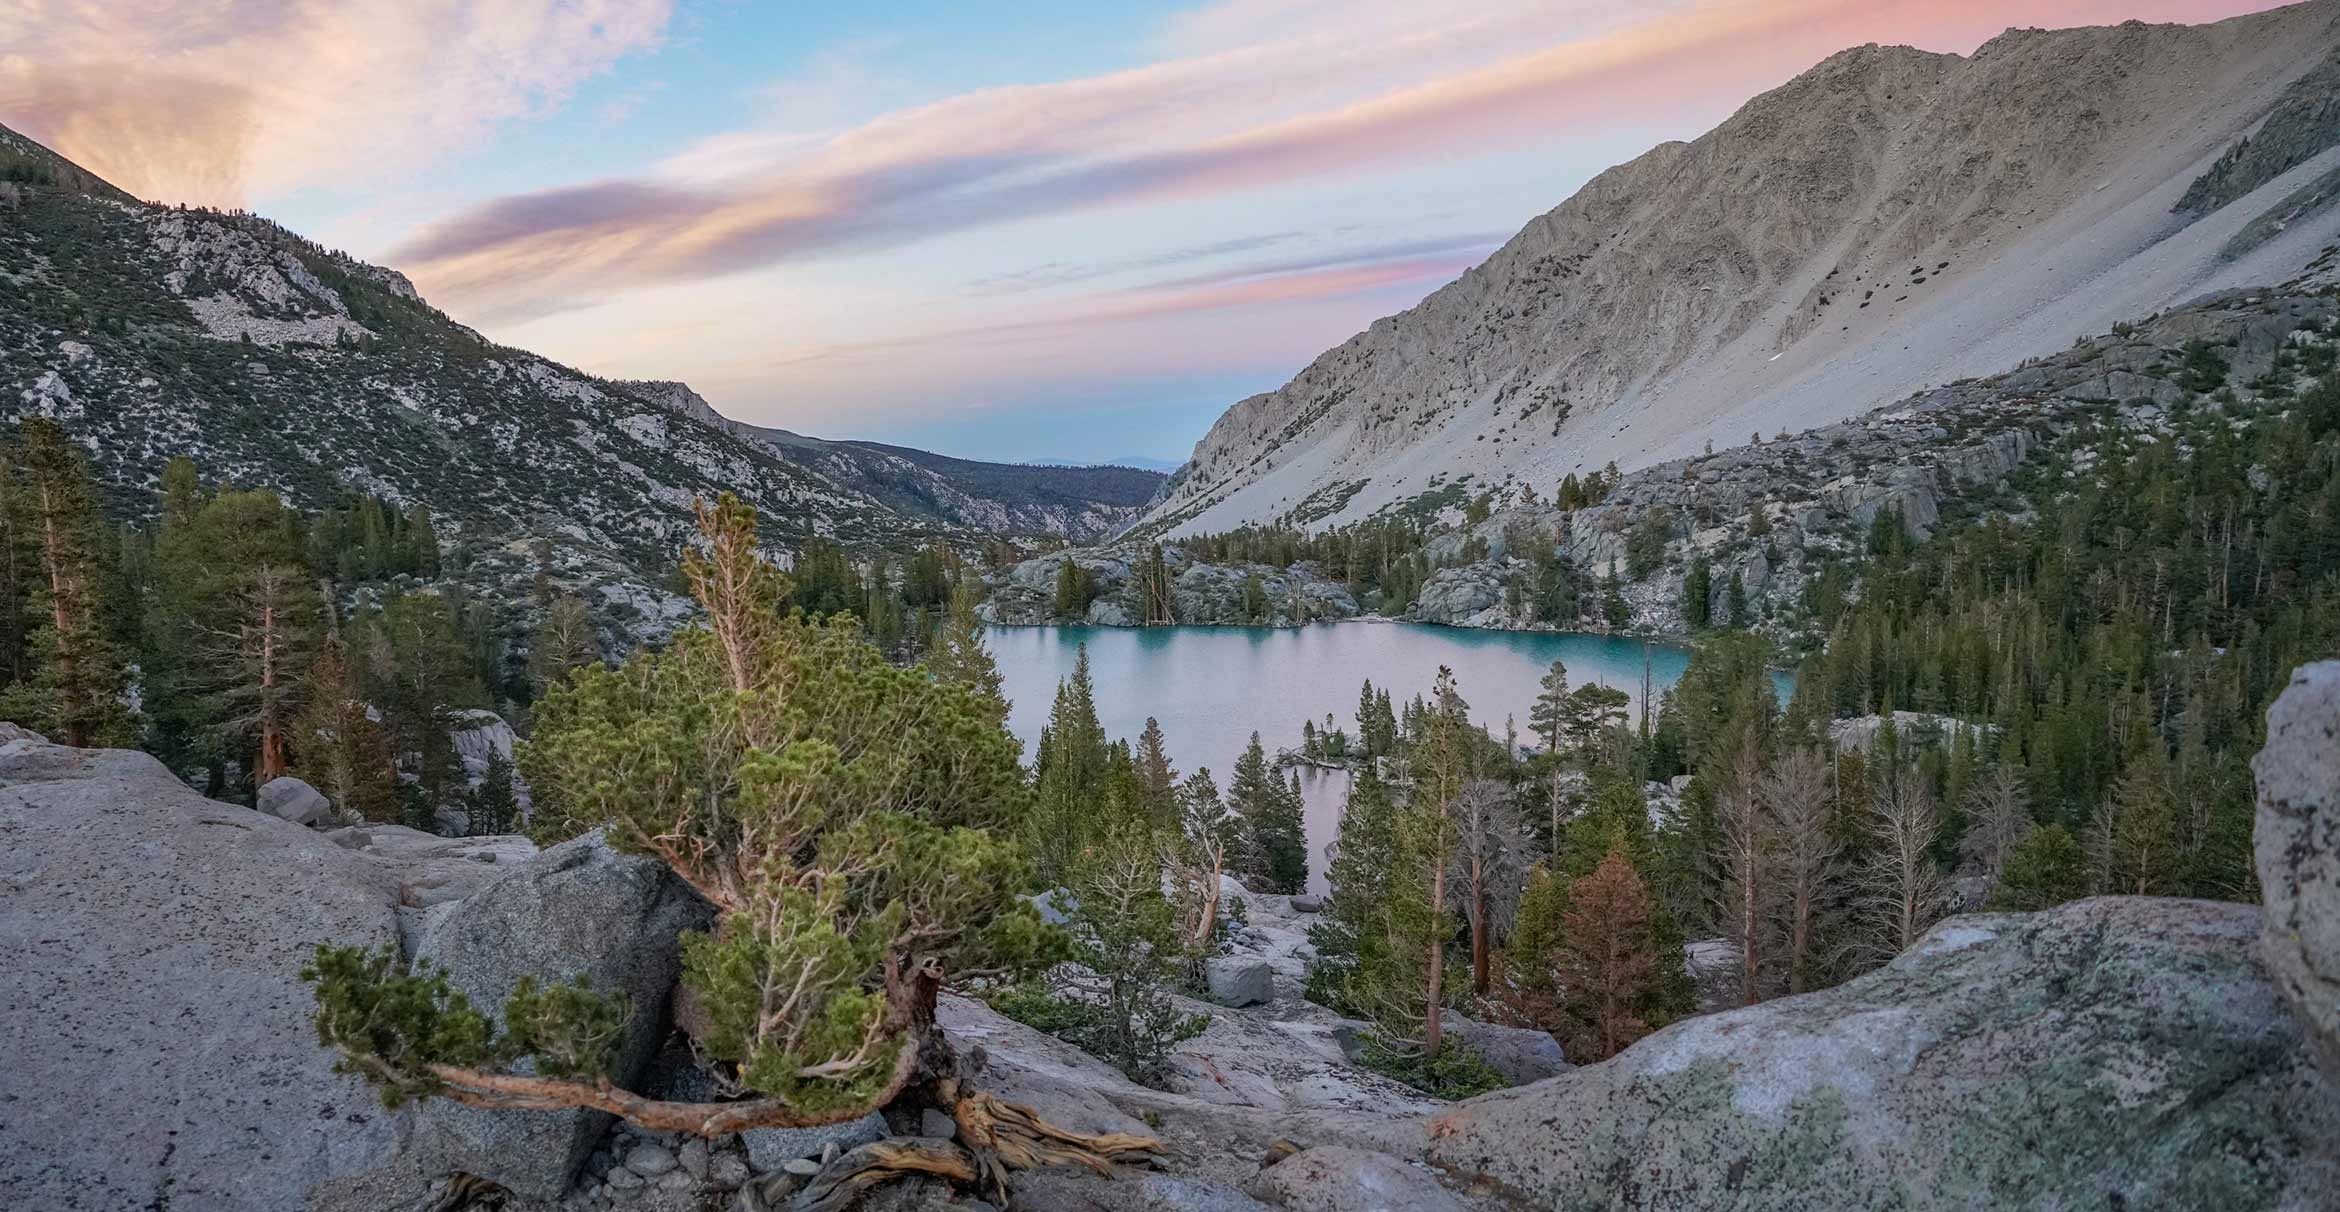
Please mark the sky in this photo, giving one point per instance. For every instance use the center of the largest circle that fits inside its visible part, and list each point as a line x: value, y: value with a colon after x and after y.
x: 1037, y: 229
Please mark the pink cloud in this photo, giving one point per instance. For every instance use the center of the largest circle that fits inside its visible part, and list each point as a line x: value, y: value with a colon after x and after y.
x: 213, y: 103
x: 1404, y: 86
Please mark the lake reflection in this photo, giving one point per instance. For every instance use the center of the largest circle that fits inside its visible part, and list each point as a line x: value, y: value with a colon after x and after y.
x: 1211, y: 687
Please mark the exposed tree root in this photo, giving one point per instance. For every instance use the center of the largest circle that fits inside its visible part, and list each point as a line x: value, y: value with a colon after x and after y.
x: 845, y: 1179
x: 995, y: 1137
x: 1006, y: 1136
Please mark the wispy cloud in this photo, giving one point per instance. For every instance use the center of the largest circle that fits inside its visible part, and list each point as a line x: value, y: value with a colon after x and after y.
x: 216, y: 103
x: 1294, y: 96
x: 1063, y: 273
x: 1469, y: 248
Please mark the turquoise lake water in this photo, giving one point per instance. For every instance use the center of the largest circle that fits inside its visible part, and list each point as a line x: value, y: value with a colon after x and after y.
x: 1211, y: 687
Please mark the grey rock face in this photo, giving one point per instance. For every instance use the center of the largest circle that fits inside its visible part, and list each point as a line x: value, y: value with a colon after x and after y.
x: 1236, y: 981
x: 2298, y: 844
x: 1520, y: 1054
x: 770, y: 1149
x: 155, y: 1046
x: 432, y: 870
x: 2120, y: 1051
x: 578, y: 909
x: 1200, y: 594
x: 290, y: 799
x: 1336, y: 1178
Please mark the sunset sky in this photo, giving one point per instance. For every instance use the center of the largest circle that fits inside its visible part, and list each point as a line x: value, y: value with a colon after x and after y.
x: 1041, y: 229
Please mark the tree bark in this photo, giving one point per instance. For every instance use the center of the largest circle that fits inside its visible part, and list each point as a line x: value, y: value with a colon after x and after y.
x: 1431, y: 1027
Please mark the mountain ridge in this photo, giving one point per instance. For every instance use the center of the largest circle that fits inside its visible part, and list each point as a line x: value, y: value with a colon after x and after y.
x: 1079, y: 503
x: 1890, y: 220
x: 151, y: 331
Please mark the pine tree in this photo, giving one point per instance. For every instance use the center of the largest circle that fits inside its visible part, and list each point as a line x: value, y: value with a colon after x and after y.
x: 1113, y: 1000
x: 1614, y: 608
x: 1903, y: 893
x: 1795, y: 794
x: 244, y: 601
x: 421, y: 555
x: 564, y: 642
x: 1441, y: 767
x: 1359, y: 969
x: 1698, y: 595
x: 1603, y: 959
x: 1073, y: 589
x: 421, y: 677
x: 1490, y: 861
x: 1070, y: 773
x: 2134, y: 837
x: 1157, y: 779
x: 1749, y: 893
x: 2044, y: 870
x: 76, y: 691
x: 839, y: 914
x: 337, y: 747
x: 1998, y: 818
x: 1274, y: 853
x: 1208, y: 835
x: 1549, y: 716
x: 495, y: 805
x: 959, y: 656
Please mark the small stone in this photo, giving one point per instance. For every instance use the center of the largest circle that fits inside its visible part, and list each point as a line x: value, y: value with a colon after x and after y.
x: 727, y: 1170
x: 693, y: 1156
x: 801, y: 1165
x: 934, y: 1123
x: 767, y: 1148
x: 677, y: 1180
x: 829, y: 1152
x: 748, y: 1201
x: 623, y: 1179
x: 650, y: 1160
x: 1307, y: 904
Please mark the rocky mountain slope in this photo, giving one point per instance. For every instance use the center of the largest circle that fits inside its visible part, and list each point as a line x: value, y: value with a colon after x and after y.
x: 1775, y: 514
x: 1083, y: 504
x: 152, y: 331
x: 1890, y: 221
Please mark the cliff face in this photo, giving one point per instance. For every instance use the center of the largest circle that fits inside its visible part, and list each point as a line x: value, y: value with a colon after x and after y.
x: 1889, y: 221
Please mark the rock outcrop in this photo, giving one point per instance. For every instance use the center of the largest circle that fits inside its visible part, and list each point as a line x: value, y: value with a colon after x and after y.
x: 1201, y: 594
x: 293, y: 800
x: 578, y: 909
x: 154, y: 1037
x: 2298, y: 844
x: 2120, y: 1052
x: 1888, y: 221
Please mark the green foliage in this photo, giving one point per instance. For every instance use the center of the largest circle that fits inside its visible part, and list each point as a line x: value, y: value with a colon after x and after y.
x: 1645, y: 543
x: 72, y: 671
x: 421, y: 676
x: 1698, y: 595
x: 2044, y: 870
x: 495, y: 804
x: 1453, y: 1072
x: 1113, y: 999
x: 1356, y: 970
x: 849, y: 818
x: 2119, y: 627
x: 392, y: 1025
x: 1274, y: 851
x: 1075, y: 589
x: 1069, y: 774
x: 337, y: 746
